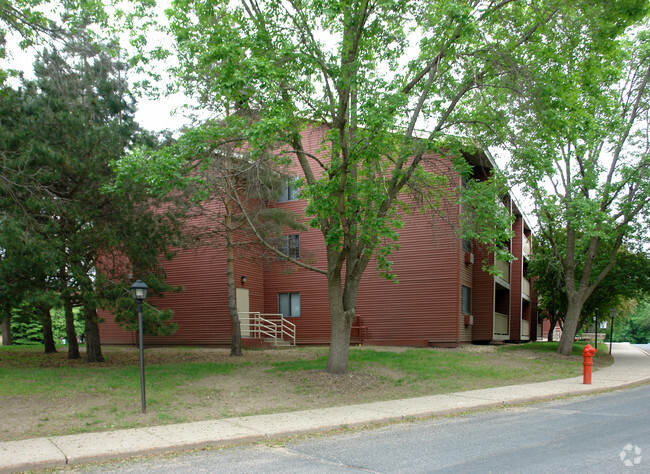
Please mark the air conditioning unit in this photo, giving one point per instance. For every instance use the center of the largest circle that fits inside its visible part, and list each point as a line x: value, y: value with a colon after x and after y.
x: 469, y: 319
x: 469, y: 257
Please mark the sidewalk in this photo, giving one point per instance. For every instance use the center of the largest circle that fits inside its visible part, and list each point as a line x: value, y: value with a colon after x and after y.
x: 631, y: 366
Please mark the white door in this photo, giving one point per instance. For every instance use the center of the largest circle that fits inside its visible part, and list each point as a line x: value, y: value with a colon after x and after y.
x: 243, y: 307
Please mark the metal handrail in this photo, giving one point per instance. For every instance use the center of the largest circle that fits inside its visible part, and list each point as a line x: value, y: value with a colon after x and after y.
x: 274, y: 326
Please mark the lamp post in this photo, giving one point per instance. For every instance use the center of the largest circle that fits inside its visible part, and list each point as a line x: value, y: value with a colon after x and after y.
x: 596, y: 330
x: 612, y: 314
x: 139, y: 291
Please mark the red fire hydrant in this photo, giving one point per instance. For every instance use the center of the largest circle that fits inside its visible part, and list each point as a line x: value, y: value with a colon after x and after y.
x: 588, y: 354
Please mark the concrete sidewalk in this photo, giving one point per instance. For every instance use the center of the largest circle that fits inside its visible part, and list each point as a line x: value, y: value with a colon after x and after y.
x: 631, y: 366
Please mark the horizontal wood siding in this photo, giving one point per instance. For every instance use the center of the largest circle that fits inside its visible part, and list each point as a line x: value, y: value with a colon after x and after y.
x: 424, y: 305
x: 201, y: 309
x: 466, y: 279
x: 313, y: 326
x: 424, y: 308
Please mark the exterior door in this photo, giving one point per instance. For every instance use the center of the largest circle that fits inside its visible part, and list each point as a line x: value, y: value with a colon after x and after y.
x: 243, y: 307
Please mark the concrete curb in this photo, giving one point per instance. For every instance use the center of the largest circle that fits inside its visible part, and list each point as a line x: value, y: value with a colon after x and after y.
x: 631, y: 367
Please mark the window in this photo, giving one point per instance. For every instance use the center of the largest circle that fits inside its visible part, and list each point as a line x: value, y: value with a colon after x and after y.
x: 467, y: 245
x: 290, y: 245
x: 289, y: 190
x: 289, y: 304
x: 467, y: 300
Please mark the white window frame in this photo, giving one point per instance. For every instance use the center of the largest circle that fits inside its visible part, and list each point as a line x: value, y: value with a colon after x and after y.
x: 466, y: 299
x: 294, y: 309
x: 289, y: 190
x: 290, y: 245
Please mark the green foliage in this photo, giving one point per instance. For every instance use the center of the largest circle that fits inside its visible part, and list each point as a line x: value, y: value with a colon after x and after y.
x: 574, y: 120
x: 27, y: 326
x: 63, y: 223
x: 485, y: 218
x: 629, y: 279
x: 370, y: 88
x: 634, y: 328
x: 372, y: 73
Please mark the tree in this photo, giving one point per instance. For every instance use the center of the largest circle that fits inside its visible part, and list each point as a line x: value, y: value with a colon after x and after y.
x: 226, y: 188
x: 71, y: 124
x: 579, y: 144
x: 635, y: 328
x: 244, y: 187
x: 628, y: 280
x: 356, y: 67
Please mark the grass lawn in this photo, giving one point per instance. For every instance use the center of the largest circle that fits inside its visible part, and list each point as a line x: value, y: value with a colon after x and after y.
x: 45, y: 395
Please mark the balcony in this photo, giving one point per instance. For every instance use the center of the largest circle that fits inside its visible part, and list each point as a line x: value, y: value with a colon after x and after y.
x: 527, y: 247
x: 504, y: 268
x: 525, y: 330
x: 525, y: 289
x: 501, y: 324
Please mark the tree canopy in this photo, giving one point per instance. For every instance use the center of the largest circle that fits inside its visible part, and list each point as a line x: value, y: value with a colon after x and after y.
x: 376, y: 74
x: 577, y: 133
x: 62, y: 227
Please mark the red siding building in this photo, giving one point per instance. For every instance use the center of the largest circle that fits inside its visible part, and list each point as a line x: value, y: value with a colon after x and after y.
x: 443, y: 297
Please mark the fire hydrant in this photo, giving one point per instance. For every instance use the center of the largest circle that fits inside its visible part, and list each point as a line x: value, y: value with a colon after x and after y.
x: 588, y: 354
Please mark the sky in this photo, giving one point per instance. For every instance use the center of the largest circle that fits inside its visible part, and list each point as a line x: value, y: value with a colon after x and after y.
x: 152, y: 114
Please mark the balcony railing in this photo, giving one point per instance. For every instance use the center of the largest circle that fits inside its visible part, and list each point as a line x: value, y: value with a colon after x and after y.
x: 504, y: 268
x: 501, y: 324
x: 527, y: 250
x: 525, y: 287
x: 525, y: 330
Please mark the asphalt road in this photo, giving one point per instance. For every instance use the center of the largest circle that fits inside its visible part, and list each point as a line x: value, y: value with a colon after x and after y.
x: 599, y: 433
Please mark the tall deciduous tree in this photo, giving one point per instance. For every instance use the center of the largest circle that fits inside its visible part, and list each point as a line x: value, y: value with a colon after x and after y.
x: 628, y: 280
x: 580, y: 145
x: 372, y: 72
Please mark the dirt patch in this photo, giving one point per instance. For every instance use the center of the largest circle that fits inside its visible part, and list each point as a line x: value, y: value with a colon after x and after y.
x: 348, y: 384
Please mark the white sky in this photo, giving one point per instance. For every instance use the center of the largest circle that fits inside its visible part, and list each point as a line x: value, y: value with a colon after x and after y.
x: 152, y: 114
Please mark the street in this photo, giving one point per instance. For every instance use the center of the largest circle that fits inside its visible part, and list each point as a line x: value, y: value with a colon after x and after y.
x: 604, y: 433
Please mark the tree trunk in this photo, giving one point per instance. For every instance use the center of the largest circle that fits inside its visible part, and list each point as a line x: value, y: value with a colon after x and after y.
x: 235, y: 343
x: 93, y: 346
x: 341, y: 324
x: 48, y: 337
x: 70, y: 332
x: 5, y: 327
x: 570, y: 327
x: 554, y: 321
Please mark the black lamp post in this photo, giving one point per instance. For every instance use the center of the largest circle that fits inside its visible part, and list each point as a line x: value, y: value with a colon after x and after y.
x: 139, y: 291
x: 612, y: 315
x: 596, y: 330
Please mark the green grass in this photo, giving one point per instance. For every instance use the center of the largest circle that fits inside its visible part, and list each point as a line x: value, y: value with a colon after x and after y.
x: 56, y: 381
x: 551, y: 347
x: 57, y: 396
x: 444, y: 367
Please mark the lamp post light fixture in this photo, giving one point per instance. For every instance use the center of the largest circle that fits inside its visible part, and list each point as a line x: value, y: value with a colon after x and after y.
x: 139, y: 291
